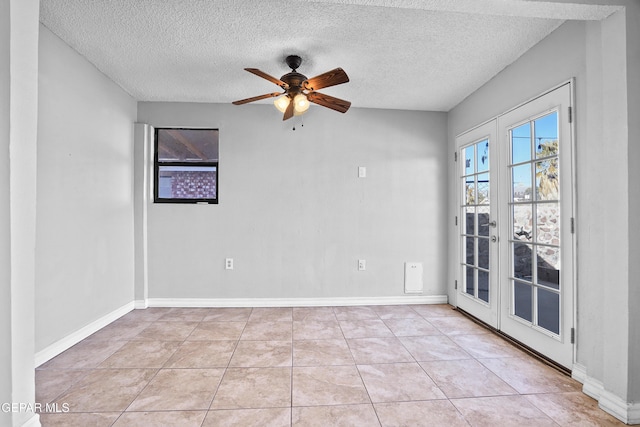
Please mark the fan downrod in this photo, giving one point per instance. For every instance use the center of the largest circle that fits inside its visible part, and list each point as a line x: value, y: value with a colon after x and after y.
x: 293, y: 61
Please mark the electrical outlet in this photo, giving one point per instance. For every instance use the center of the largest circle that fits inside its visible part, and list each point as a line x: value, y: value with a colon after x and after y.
x: 362, y: 265
x: 228, y: 264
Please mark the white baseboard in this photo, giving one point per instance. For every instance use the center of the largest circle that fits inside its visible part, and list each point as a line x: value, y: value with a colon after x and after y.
x: 628, y: 413
x: 579, y: 373
x: 634, y: 414
x: 75, y: 337
x: 294, y: 302
x: 140, y: 303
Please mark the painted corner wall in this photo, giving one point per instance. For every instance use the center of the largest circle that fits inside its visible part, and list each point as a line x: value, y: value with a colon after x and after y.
x: 5, y: 217
x: 293, y: 213
x: 18, y: 137
x: 84, y: 248
x: 605, y: 64
x: 633, y: 73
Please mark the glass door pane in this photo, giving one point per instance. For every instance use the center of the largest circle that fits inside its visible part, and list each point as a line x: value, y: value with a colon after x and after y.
x: 535, y: 221
x: 476, y: 212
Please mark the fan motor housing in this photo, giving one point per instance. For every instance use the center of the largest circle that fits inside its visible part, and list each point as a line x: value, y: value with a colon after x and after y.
x: 294, y: 80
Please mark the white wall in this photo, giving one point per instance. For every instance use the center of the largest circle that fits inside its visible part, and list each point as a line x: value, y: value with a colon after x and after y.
x: 18, y: 120
x: 85, y: 258
x: 5, y: 218
x: 293, y: 213
x: 633, y: 99
x: 614, y: 240
x: 595, y: 53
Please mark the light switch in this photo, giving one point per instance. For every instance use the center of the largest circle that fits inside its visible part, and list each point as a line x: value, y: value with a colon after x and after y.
x: 362, y: 172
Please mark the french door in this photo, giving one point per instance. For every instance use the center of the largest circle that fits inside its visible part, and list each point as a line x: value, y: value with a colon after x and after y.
x: 516, y: 233
x: 478, y: 223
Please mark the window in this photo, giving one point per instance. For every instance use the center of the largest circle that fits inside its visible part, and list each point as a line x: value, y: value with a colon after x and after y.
x: 186, y: 166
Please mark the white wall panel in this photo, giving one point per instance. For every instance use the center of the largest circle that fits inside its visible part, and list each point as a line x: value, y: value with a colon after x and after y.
x: 85, y: 255
x: 293, y: 213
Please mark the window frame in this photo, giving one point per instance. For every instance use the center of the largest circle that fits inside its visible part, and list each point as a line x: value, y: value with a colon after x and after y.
x: 189, y: 164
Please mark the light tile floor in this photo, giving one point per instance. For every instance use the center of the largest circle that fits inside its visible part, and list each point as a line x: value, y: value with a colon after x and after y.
x: 413, y: 365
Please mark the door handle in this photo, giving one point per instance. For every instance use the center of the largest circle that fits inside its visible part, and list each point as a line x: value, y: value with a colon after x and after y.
x: 491, y: 223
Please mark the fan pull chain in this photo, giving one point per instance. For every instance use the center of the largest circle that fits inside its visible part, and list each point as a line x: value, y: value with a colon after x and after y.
x: 301, y: 123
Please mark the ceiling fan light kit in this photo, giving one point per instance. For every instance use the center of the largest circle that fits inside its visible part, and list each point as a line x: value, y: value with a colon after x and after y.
x: 299, y: 91
x: 281, y: 103
x: 301, y: 104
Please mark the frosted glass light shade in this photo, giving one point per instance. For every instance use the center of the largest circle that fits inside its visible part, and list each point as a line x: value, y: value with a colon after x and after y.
x: 300, y: 104
x: 281, y: 103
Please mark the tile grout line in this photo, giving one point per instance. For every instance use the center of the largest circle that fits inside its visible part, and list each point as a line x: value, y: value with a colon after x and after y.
x: 291, y: 375
x: 235, y: 347
x: 362, y: 379
x: 143, y: 388
x: 426, y: 373
x: 159, y: 369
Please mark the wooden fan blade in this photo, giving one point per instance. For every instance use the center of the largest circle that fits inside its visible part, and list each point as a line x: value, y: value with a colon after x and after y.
x: 288, y: 113
x: 272, y: 79
x: 328, y: 101
x: 256, y: 98
x: 330, y: 78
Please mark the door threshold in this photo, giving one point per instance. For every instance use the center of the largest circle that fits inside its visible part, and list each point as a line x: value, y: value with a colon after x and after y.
x: 533, y: 353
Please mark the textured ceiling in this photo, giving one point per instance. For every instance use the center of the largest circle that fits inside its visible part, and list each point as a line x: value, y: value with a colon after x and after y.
x: 399, y: 54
